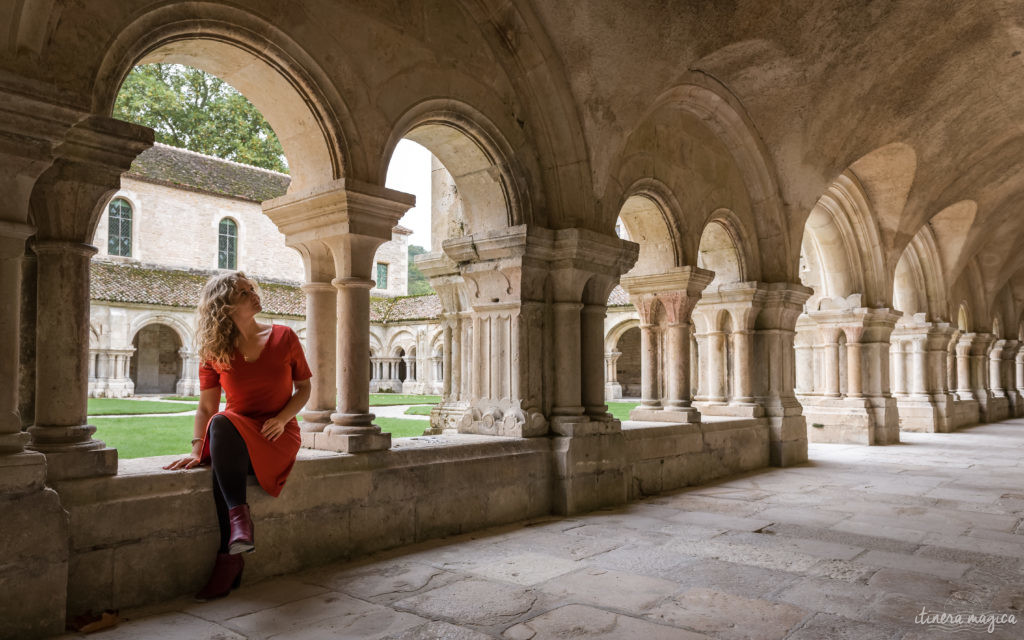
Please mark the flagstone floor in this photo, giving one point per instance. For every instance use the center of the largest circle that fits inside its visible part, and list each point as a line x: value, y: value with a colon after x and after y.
x: 862, y: 542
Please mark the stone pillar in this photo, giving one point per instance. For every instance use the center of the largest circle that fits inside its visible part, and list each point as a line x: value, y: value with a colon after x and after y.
x: 995, y: 375
x: 447, y: 360
x: 919, y: 386
x: 666, y: 304
x: 1009, y: 377
x: 446, y: 280
x: 899, y: 370
x: 321, y: 349
x: 68, y: 201
x: 867, y: 413
x: 963, y: 367
x: 989, y: 410
x: 349, y: 219
x: 592, y: 359
x: 525, y: 279
x: 775, y: 329
x: 12, y: 247
x: 1019, y: 367
x: 928, y: 407
x: 612, y: 389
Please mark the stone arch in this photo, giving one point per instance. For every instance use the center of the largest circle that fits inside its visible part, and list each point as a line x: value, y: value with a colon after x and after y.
x: 709, y: 111
x: 157, y: 365
x: 919, y: 281
x: 264, y: 64
x: 615, y: 333
x: 963, y: 318
x: 400, y: 340
x: 723, y: 249
x: 186, y: 334
x: 492, y: 187
x: 842, y: 250
x: 653, y: 219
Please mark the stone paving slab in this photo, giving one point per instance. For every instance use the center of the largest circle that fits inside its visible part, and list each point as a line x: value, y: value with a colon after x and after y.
x: 849, y: 546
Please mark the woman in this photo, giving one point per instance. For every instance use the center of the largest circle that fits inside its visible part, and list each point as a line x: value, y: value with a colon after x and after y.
x: 264, y: 374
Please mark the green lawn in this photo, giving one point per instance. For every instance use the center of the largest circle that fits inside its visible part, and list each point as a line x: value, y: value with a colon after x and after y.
x: 160, y: 436
x: 120, y: 407
x: 621, y: 409
x: 144, y: 437
x: 419, y: 410
x: 389, y: 399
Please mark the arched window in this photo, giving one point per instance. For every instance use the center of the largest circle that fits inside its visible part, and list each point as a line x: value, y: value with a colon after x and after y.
x: 227, y: 244
x: 119, y: 235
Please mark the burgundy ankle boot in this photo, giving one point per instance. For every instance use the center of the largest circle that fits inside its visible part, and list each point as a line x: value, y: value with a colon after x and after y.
x: 227, y: 575
x: 241, y: 530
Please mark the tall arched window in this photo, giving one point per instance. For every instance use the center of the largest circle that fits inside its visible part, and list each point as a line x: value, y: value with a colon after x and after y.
x: 227, y: 244
x: 119, y: 235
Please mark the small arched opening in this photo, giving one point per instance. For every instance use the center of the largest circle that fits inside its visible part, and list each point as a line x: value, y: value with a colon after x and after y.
x: 156, y: 365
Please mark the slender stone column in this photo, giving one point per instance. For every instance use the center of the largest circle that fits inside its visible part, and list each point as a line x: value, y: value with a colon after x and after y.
x: 350, y: 219
x: 899, y: 370
x: 716, y: 367
x: 567, y: 322
x: 1019, y: 367
x: 854, y: 380
x: 650, y: 395
x: 62, y: 366
x: 448, y: 356
x: 12, y: 248
x: 919, y: 386
x: 741, y: 340
x: 963, y: 367
x: 321, y: 352
x: 995, y: 369
x: 591, y: 360
x: 804, y: 369
x: 831, y: 362
x: 677, y: 338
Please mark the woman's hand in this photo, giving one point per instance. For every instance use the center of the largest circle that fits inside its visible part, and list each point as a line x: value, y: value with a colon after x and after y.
x: 189, y: 461
x: 273, y: 428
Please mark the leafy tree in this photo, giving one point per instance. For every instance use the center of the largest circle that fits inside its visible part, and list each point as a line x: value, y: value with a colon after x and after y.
x: 191, y: 109
x: 419, y: 285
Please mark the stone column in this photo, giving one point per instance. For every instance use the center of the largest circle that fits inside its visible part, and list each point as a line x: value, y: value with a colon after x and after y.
x: 592, y: 360
x: 987, y: 410
x: 854, y: 380
x: 612, y: 389
x: 447, y: 356
x: 676, y: 293
x: 12, y: 247
x: 963, y: 367
x: 1009, y: 376
x: 67, y: 202
x: 919, y: 386
x: 321, y: 351
x: 1019, y: 367
x: 995, y: 369
x: 716, y: 366
x: 830, y: 346
x: 899, y: 370
x: 349, y: 219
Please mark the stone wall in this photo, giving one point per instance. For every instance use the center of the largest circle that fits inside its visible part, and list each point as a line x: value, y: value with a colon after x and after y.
x: 148, y: 535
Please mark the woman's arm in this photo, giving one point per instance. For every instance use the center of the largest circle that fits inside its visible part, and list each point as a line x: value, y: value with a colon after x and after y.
x: 209, y: 404
x: 274, y: 427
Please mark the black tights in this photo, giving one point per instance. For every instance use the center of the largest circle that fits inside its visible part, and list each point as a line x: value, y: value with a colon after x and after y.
x: 229, y: 458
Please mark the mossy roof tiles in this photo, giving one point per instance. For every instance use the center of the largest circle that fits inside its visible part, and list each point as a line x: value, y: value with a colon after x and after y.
x: 187, y: 169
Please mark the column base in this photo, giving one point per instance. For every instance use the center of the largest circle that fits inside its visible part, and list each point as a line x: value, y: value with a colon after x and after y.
x: 852, y: 421
x: 733, y: 409
x: 679, y: 415
x: 347, y: 442
x: 787, y: 433
x: 22, y: 472
x: 924, y: 414
x: 315, y: 421
x: 74, y: 464
x: 612, y: 391
x: 962, y: 413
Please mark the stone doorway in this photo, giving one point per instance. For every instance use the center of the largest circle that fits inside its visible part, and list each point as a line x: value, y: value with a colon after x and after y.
x: 156, y: 365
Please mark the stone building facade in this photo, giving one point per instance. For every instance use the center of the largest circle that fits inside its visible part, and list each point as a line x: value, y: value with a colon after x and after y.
x: 144, y: 285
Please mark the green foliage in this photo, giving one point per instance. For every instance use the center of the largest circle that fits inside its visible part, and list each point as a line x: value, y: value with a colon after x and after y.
x: 120, y: 407
x: 191, y: 109
x: 418, y: 283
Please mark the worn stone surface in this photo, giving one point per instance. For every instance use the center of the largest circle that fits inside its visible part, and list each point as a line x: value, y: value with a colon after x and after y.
x: 698, y: 563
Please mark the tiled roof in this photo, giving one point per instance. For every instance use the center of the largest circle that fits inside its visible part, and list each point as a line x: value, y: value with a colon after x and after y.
x: 404, y: 309
x: 112, y: 282
x: 618, y: 297
x: 187, y: 169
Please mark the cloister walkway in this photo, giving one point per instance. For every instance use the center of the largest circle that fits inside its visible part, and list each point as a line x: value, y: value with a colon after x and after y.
x: 854, y: 544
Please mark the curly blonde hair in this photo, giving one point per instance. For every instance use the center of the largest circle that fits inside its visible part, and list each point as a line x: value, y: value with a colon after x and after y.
x: 217, y: 332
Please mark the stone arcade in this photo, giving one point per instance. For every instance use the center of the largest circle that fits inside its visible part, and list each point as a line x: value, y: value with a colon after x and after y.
x: 825, y: 239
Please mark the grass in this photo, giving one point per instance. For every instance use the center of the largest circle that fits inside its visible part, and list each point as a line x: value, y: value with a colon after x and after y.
x: 389, y: 399
x: 419, y: 410
x: 621, y: 409
x: 144, y: 437
x: 170, y: 435
x: 121, y: 407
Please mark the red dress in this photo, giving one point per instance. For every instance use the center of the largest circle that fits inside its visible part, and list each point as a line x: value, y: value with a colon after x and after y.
x: 257, y: 391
